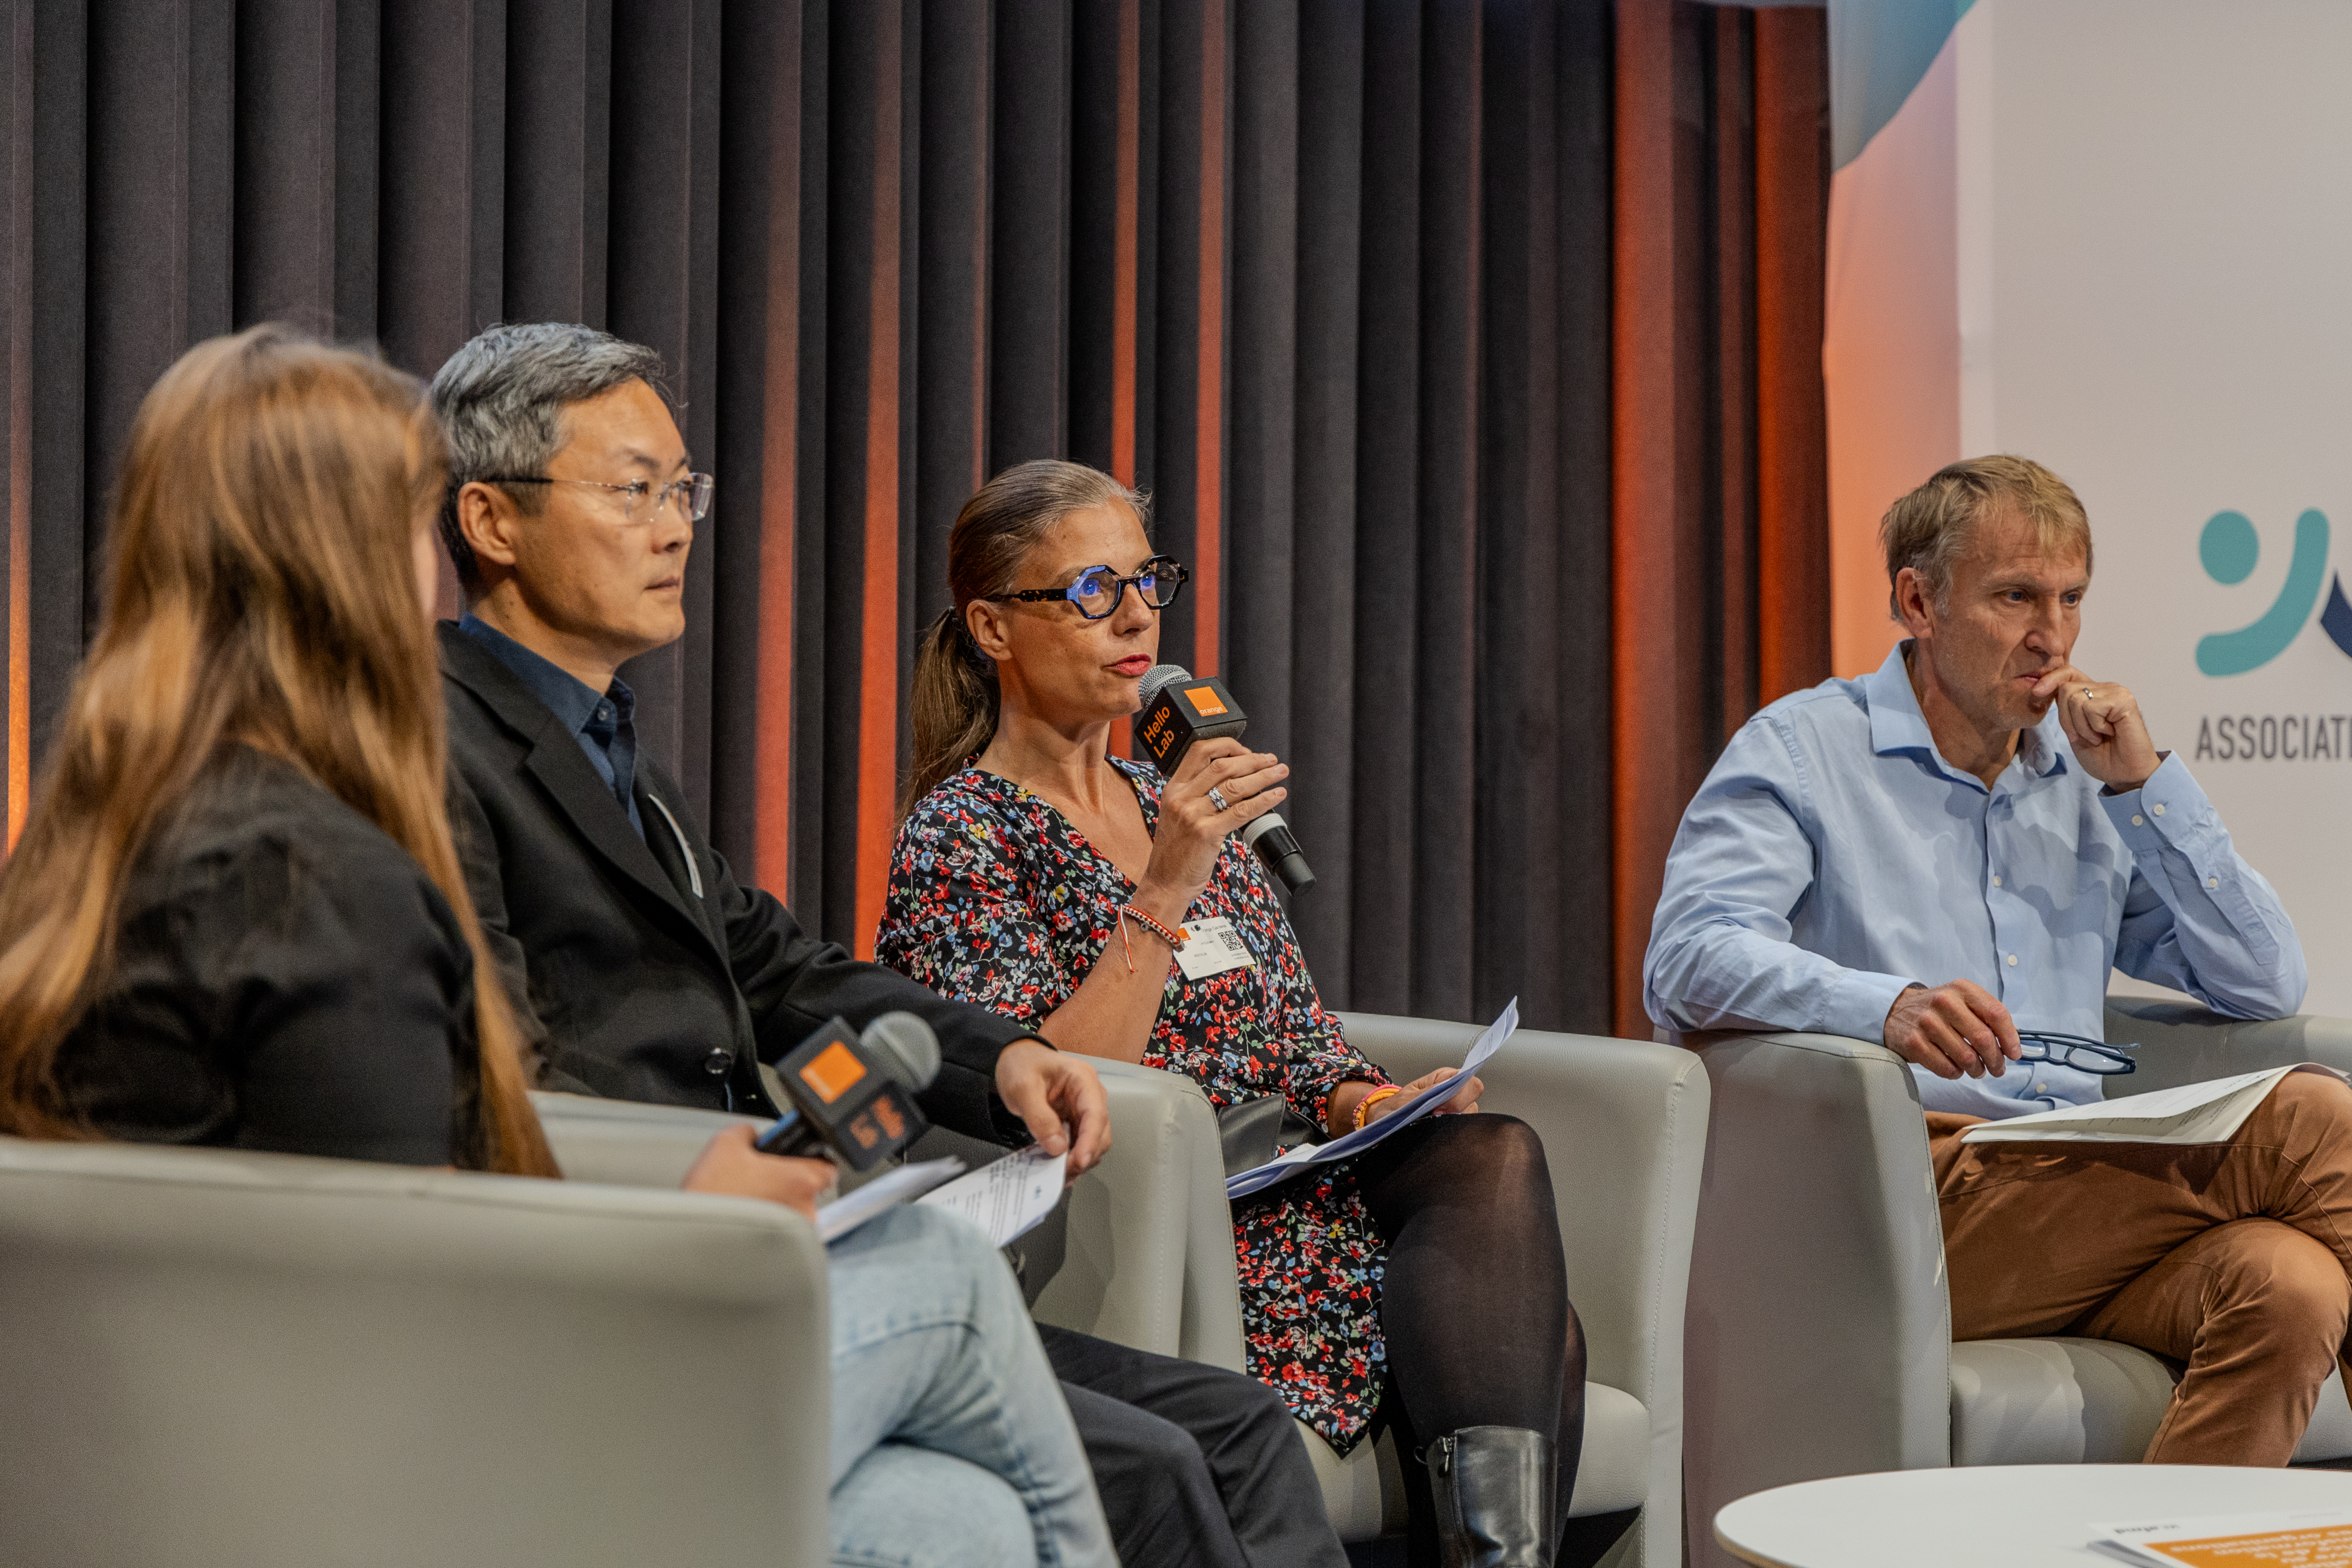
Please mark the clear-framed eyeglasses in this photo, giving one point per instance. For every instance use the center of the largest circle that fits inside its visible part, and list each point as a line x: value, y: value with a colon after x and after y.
x: 642, y: 500
x: 2075, y: 1051
x: 1098, y: 589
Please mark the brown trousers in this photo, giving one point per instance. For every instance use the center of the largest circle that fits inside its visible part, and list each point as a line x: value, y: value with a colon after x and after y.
x: 2235, y: 1258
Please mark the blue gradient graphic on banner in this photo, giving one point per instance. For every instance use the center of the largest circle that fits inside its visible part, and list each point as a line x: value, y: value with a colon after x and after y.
x: 2229, y: 549
x: 1878, y: 51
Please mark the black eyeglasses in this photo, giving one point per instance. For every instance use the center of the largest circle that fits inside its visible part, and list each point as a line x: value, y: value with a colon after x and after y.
x: 1099, y: 589
x: 2075, y: 1051
x: 692, y: 493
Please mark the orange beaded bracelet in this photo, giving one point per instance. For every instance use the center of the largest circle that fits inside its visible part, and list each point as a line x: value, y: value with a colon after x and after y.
x: 1364, y: 1106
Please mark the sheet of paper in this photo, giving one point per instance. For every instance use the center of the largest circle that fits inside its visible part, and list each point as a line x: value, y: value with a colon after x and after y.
x: 2207, y: 1113
x: 1286, y: 1165
x: 844, y: 1214
x: 1007, y: 1197
x: 2298, y: 1538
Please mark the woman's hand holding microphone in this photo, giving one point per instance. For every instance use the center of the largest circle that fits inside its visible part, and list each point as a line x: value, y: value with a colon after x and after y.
x: 1221, y: 788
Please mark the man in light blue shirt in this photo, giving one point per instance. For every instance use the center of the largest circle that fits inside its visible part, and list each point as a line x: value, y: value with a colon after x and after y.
x: 1961, y: 845
x: 1837, y: 864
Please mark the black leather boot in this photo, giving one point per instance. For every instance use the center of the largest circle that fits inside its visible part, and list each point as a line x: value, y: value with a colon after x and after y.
x: 1493, y: 1488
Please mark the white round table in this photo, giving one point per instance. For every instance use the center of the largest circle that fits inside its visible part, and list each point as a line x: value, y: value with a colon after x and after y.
x: 2018, y: 1516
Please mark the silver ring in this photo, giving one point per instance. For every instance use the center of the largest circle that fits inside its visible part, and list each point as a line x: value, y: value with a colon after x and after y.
x: 1217, y: 799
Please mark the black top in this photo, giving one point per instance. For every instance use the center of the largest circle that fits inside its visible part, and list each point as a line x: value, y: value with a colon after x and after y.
x: 286, y: 977
x: 641, y: 968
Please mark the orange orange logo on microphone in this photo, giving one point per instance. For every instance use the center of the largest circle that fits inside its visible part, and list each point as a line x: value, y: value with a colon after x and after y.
x: 1204, y: 699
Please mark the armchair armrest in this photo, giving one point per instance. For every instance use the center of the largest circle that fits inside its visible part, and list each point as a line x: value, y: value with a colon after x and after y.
x: 216, y: 1356
x: 1146, y: 1256
x: 2182, y: 1043
x: 1820, y: 1330
x: 627, y: 1143
x: 1149, y: 1262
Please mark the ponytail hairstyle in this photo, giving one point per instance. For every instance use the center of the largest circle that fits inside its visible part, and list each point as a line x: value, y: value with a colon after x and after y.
x: 955, y: 696
x: 260, y: 591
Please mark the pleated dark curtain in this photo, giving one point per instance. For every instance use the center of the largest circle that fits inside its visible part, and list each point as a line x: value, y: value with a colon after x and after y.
x: 1719, y: 538
x: 1470, y: 351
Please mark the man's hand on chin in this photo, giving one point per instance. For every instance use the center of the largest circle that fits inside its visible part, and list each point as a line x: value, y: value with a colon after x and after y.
x: 2103, y: 722
x: 1051, y: 1091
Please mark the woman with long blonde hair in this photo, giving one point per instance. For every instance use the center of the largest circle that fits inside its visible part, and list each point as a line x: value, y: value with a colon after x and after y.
x: 244, y: 801
x: 236, y: 918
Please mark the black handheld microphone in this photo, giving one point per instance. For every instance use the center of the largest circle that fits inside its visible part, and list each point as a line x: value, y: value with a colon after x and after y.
x: 853, y: 1097
x: 1178, y: 709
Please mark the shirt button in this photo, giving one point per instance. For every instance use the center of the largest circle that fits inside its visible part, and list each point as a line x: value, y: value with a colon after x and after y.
x: 1996, y: 879
x: 2212, y: 881
x: 718, y: 1064
x: 2041, y: 1087
x: 2138, y: 821
x: 2012, y: 960
x: 2157, y: 809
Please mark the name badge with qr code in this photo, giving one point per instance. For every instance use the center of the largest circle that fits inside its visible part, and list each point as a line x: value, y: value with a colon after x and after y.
x: 1211, y: 947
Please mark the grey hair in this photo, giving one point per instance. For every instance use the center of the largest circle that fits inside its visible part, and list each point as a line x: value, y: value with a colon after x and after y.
x: 500, y: 401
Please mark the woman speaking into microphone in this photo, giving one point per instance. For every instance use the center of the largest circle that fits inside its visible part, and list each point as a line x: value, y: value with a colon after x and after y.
x: 1419, y: 1285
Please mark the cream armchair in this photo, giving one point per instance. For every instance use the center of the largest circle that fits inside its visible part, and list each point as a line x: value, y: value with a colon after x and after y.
x: 1121, y: 1271
x: 1623, y: 1125
x: 1148, y: 1256
x: 1818, y: 1334
x: 212, y: 1359
x: 1141, y: 1224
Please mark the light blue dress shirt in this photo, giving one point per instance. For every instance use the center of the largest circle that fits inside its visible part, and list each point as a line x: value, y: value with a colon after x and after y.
x: 1834, y: 857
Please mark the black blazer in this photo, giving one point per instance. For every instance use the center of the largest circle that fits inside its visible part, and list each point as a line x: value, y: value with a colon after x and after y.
x: 632, y: 983
x: 285, y: 977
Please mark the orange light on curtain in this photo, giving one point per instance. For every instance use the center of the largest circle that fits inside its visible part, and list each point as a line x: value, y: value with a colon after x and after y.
x: 877, y: 707
x: 779, y: 496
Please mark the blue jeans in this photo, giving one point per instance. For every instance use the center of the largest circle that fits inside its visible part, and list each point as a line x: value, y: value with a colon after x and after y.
x: 952, y: 1444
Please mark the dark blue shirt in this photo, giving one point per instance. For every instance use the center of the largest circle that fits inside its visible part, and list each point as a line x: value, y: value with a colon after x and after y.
x: 603, y: 724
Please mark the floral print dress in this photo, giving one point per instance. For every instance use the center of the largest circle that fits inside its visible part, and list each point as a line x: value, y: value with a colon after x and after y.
x: 996, y: 898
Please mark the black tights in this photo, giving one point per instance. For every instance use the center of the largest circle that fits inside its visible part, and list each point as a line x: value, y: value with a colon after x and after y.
x: 1473, y: 1303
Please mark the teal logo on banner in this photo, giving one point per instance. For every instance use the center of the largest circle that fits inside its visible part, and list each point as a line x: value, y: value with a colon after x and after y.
x: 2228, y: 548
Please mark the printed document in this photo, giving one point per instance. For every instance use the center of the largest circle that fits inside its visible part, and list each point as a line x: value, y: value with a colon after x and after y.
x: 844, y: 1214
x: 1288, y: 1164
x: 2299, y: 1538
x: 2209, y: 1112
x: 1007, y: 1197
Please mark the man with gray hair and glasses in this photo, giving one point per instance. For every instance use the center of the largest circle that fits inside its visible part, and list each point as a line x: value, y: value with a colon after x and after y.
x: 642, y: 970
x: 1950, y: 854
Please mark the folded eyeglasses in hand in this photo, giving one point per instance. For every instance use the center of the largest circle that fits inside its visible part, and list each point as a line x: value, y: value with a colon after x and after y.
x: 2075, y: 1051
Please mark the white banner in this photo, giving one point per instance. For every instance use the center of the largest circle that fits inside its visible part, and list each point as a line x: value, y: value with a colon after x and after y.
x: 2155, y: 272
